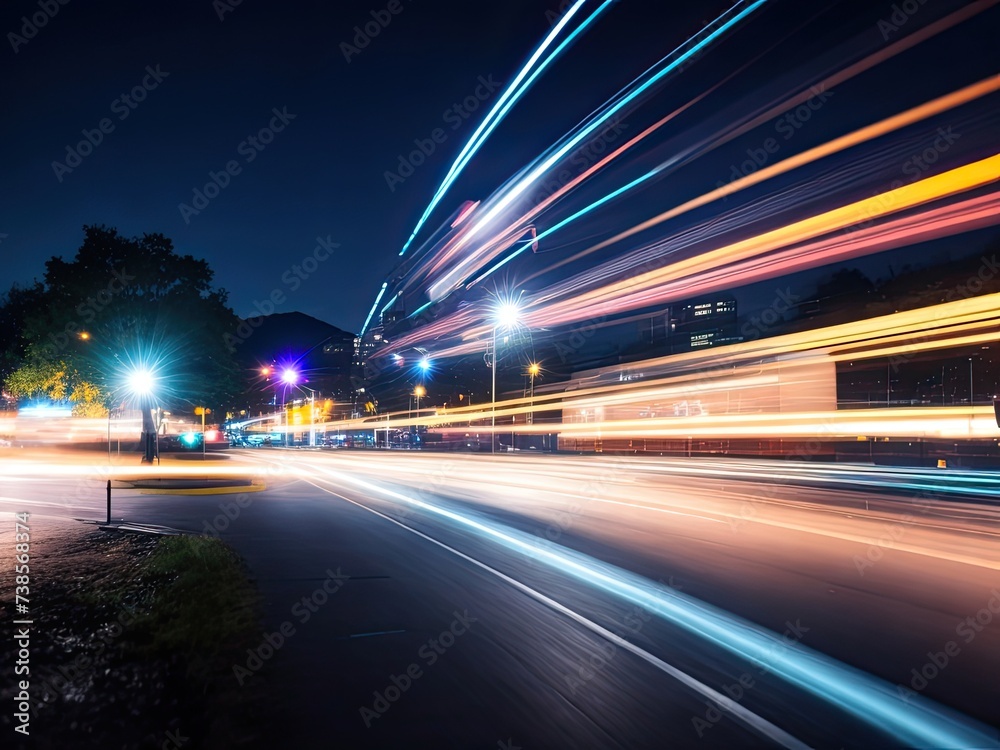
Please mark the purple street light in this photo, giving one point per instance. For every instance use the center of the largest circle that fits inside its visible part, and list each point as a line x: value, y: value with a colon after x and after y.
x: 289, y: 376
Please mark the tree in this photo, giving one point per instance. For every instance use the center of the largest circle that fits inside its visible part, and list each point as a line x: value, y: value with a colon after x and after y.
x: 125, y: 303
x: 56, y: 381
x: 15, y: 307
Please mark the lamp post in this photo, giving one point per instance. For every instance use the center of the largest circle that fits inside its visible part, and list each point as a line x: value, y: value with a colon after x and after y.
x: 505, y: 316
x: 417, y: 392
x: 493, y: 395
x: 312, y: 416
x: 288, y: 377
x: 971, y: 398
x: 140, y: 384
x: 533, y: 369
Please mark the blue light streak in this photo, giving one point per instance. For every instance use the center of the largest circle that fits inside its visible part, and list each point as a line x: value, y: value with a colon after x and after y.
x: 914, y: 720
x: 372, y: 311
x: 583, y: 211
x: 653, y: 77
x: 497, y: 113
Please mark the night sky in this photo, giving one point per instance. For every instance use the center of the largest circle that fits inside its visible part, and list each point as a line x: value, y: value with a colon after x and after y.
x: 212, y: 84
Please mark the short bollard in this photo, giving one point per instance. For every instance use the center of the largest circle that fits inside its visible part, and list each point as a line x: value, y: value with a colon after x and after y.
x: 109, y: 502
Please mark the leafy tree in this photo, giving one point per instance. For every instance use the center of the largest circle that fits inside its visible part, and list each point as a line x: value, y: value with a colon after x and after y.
x: 58, y: 382
x: 124, y: 303
x: 15, y: 307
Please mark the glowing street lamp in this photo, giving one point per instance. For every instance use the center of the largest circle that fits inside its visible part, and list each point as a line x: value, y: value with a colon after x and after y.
x: 140, y: 383
x: 505, y: 316
x: 533, y: 369
x: 289, y: 376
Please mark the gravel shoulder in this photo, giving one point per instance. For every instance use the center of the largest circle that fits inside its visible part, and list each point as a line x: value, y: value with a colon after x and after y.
x: 131, y: 643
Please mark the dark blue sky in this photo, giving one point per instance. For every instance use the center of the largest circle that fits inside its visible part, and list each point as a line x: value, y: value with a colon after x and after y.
x: 323, y: 174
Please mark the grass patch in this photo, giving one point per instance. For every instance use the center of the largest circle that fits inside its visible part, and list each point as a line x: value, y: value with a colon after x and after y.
x: 204, y: 604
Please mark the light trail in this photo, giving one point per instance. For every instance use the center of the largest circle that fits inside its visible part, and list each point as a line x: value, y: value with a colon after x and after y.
x: 703, y: 274
x: 655, y: 75
x: 742, y: 380
x: 739, y: 712
x: 640, y: 290
x: 862, y: 135
x: 511, y: 94
x: 913, y: 721
x: 374, y: 306
x: 709, y: 144
x: 490, y: 249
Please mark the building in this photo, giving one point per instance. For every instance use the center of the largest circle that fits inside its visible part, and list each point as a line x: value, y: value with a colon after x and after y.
x: 704, y: 322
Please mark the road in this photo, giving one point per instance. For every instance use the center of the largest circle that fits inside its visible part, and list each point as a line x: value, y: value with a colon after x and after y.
x: 599, y: 601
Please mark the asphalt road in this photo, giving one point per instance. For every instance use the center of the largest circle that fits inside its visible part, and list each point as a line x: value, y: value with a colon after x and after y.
x: 529, y: 601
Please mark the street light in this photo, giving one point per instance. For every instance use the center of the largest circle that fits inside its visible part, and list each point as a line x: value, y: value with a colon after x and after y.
x: 418, y: 391
x: 140, y: 382
x: 505, y: 316
x: 971, y: 392
x: 312, y: 416
x: 533, y: 369
x: 288, y: 377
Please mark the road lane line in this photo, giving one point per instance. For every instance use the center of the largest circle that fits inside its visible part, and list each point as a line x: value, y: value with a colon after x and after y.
x: 755, y: 722
x: 857, y: 692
